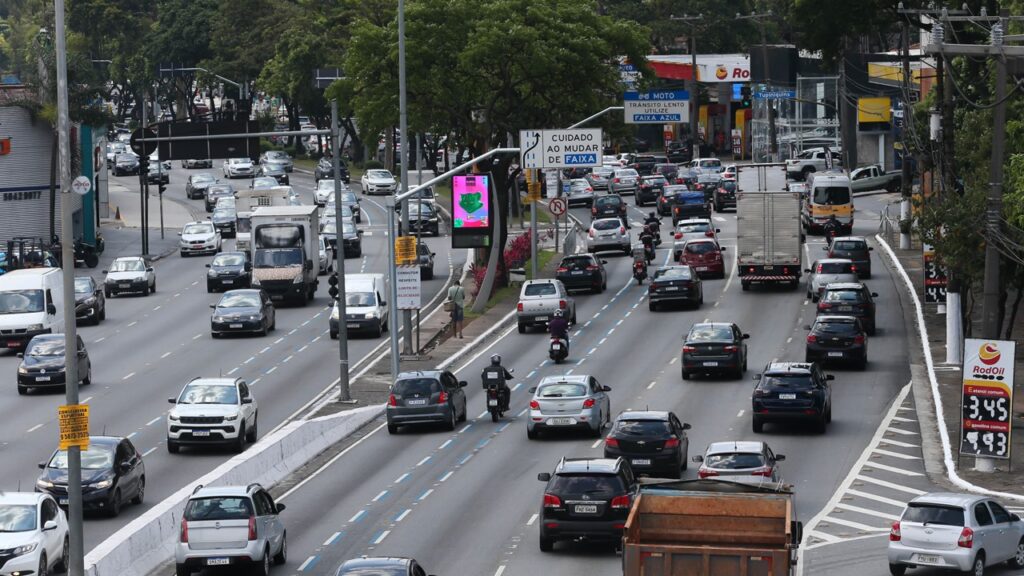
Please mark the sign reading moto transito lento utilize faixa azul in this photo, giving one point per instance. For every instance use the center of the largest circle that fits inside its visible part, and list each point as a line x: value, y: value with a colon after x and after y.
x: 572, y: 148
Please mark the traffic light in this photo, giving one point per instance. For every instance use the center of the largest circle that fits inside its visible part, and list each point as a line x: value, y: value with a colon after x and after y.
x: 333, y: 281
x: 162, y: 187
x: 745, y: 97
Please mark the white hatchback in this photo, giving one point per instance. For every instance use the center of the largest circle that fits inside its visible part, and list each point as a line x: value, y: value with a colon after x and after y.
x: 33, y: 534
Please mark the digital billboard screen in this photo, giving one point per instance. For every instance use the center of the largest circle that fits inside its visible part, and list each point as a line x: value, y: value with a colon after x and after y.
x: 471, y: 203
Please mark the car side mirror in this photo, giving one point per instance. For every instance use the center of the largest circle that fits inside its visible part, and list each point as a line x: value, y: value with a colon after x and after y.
x: 213, y: 305
x: 103, y: 271
x: 697, y: 459
x: 125, y: 466
x: 359, y: 232
x: 463, y: 383
x: 755, y: 377
x: 606, y: 388
x: 544, y: 476
x: 829, y: 377
x: 718, y: 230
x: 179, y: 233
x: 383, y: 303
x: 874, y: 294
x: 604, y: 261
x: 42, y: 465
x: 207, y: 265
x: 20, y: 354
x: 247, y: 400
x: 780, y: 457
x: 721, y: 248
x: 871, y: 249
x: 172, y: 400
x: 686, y: 426
x: 532, y: 390
x: 50, y: 525
x: 51, y: 309
x: 248, y: 266
x: 280, y: 508
x: 1014, y: 518
x: 746, y: 336
x: 149, y: 269
x: 808, y: 270
x: 825, y: 248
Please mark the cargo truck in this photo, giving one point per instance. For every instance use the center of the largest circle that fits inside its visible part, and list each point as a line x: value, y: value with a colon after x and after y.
x: 711, y: 527
x: 248, y: 200
x: 769, y: 239
x: 286, y: 252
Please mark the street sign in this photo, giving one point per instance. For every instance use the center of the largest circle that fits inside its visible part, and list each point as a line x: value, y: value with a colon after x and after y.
x: 657, y: 107
x: 405, y: 250
x: 408, y: 287
x: 628, y: 74
x: 571, y: 148
x: 81, y: 185
x: 557, y: 206
x: 73, y: 421
x: 551, y: 183
x: 143, y: 148
x: 774, y: 95
x: 987, y: 398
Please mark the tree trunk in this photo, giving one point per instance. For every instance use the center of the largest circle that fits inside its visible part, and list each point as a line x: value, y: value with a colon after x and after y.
x: 357, y: 145
x: 1013, y: 314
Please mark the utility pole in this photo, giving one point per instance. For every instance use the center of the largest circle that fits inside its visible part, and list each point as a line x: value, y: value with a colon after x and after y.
x: 773, y: 140
x: 67, y: 242
x: 694, y: 86
x: 403, y: 135
x: 905, y: 175
x: 344, y: 394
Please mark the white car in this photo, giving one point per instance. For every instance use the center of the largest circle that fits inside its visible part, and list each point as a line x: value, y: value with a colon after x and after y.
x: 326, y: 257
x: 691, y: 229
x: 199, y: 238
x: 238, y: 168
x: 608, y: 234
x: 130, y: 274
x: 212, y: 411
x: 324, y: 191
x: 155, y: 157
x: 33, y: 534
x: 378, y: 182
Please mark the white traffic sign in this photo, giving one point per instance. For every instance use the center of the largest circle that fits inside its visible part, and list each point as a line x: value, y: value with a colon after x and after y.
x: 81, y: 185
x: 408, y: 287
x: 551, y: 183
x: 557, y: 206
x: 572, y: 148
x: 657, y: 107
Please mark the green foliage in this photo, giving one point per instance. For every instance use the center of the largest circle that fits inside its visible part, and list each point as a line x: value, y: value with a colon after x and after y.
x: 825, y: 25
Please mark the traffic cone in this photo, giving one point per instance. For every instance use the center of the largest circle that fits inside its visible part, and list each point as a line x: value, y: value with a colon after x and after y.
x: 117, y: 213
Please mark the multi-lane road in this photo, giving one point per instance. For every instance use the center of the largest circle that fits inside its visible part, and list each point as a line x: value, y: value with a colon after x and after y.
x: 149, y: 347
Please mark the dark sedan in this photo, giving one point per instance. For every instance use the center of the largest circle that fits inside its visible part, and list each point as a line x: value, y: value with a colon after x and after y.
x: 216, y: 191
x: 426, y: 261
x: 126, y: 164
x: 583, y: 272
x: 113, y: 474
x: 385, y: 566
x: 654, y: 443
x: 90, y: 303
x: 275, y: 171
x: 228, y: 271
x: 42, y: 363
x: 724, y: 195
x: 850, y: 299
x: 196, y: 185
x: 794, y: 392
x: 839, y: 339
x: 423, y: 218
x: 224, y: 220
x: 157, y: 174
x: 669, y: 171
x: 674, y: 284
x: 651, y: 188
x: 243, y: 311
x: 325, y: 170
x: 715, y: 348
x: 608, y: 206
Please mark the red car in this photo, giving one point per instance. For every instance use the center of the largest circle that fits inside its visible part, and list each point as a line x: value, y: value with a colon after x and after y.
x: 705, y: 256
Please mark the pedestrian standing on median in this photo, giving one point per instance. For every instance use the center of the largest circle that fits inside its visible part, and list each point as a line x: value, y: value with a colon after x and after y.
x: 457, y: 296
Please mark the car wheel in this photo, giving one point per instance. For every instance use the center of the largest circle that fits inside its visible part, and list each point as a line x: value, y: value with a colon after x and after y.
x: 282, y: 556
x: 745, y: 286
x: 65, y: 556
x: 897, y: 569
x: 1018, y: 558
x: 254, y: 431
x: 451, y: 420
x: 686, y: 375
x: 88, y: 377
x: 264, y: 566
x: 334, y: 335
x: 652, y: 306
x: 114, y: 506
x: 978, y: 568
x: 173, y: 447
x: 828, y: 415
x: 44, y: 569
x: 240, y: 441
x: 531, y: 434
x: 522, y: 328
x: 145, y: 291
x: 142, y: 492
x: 757, y: 425
x: 209, y: 287
x: 546, y: 544
x: 392, y: 428
x: 264, y: 330
x: 103, y: 314
x: 822, y: 424
x: 182, y: 570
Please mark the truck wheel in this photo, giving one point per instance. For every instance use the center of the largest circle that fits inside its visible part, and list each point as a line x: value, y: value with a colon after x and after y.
x: 745, y: 286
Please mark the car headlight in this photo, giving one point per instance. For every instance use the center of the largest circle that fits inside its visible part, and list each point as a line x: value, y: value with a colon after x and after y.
x: 173, y: 417
x: 90, y: 301
x: 217, y: 318
x: 32, y: 327
x: 105, y: 483
x: 22, y: 370
x: 254, y: 317
x: 231, y: 418
x: 298, y: 279
x: 44, y: 483
x: 23, y: 549
x: 211, y: 273
x: 371, y: 314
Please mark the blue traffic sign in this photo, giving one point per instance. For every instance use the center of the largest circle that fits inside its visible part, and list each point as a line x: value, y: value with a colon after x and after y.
x: 637, y: 118
x: 658, y: 96
x: 580, y: 159
x: 775, y: 94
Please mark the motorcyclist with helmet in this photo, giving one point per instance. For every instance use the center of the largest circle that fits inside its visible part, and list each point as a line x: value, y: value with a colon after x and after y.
x: 654, y: 222
x: 647, y: 239
x: 832, y: 228
x: 558, y: 327
x: 497, y: 375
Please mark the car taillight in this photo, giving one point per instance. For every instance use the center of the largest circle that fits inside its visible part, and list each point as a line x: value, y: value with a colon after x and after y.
x: 592, y: 268
x: 562, y: 304
x: 616, y: 180
x: 613, y: 442
x: 822, y: 306
x: 620, y: 502
x: 759, y: 393
x: 442, y: 397
x: 858, y: 339
x: 591, y: 233
x: 519, y: 307
x: 588, y: 403
x: 392, y: 401
x: 689, y: 349
x: 672, y: 443
x: 593, y: 210
x: 534, y: 405
x: 679, y: 235
x: 894, y: 532
x: 622, y: 229
x: 552, y: 501
x: 765, y: 471
x: 853, y: 268
x: 731, y: 348
x: 750, y: 270
x: 184, y: 532
x: 812, y: 338
x: 709, y: 233
x: 562, y: 269
x: 252, y: 528
x: 966, y: 539
x: 702, y: 473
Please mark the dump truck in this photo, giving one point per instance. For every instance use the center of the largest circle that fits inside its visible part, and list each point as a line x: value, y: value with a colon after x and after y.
x: 711, y: 527
x: 769, y: 239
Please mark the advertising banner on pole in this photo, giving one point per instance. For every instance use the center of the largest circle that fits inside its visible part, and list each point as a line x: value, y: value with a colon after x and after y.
x: 987, y: 398
x: 471, y: 211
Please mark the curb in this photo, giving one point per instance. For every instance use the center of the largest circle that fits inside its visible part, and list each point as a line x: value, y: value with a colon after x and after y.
x: 950, y: 465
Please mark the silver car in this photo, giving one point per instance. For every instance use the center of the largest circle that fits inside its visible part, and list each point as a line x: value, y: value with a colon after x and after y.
x: 828, y: 271
x: 580, y: 192
x: 624, y: 181
x: 608, y: 234
x: 599, y: 178
x: 963, y: 532
x: 691, y: 229
x: 744, y: 459
x: 568, y: 402
x: 230, y: 526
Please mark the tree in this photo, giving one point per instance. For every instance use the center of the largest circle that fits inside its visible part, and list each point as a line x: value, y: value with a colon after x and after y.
x: 181, y: 36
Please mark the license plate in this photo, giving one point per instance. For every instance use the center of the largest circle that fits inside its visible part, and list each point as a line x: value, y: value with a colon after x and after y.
x: 585, y: 509
x: 787, y: 396
x: 641, y: 461
x: 542, y: 318
x: 277, y: 296
x: 561, y: 421
x: 63, y: 501
x: 42, y: 378
x: 835, y: 354
x: 845, y: 308
x: 928, y: 559
x: 13, y: 344
x: 352, y: 325
x: 227, y: 281
x: 234, y: 325
x: 124, y: 285
x: 702, y: 268
x: 416, y: 402
x: 577, y: 272
x: 218, y: 561
x: 671, y: 288
x: 200, y: 432
x: 769, y: 267
x: 492, y: 402
x: 711, y: 363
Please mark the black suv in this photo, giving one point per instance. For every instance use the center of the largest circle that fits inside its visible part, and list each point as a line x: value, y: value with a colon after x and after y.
x: 653, y: 442
x: 325, y: 170
x: 651, y: 188
x: 714, y: 348
x: 608, y: 206
x: 849, y: 299
x: 585, y: 498
x: 583, y: 272
x: 667, y: 198
x: 643, y: 164
x: 725, y: 196
x: 853, y: 248
x: 788, y: 391
x: 837, y: 339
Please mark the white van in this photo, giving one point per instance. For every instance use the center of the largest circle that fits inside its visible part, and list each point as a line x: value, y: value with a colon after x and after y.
x: 366, y: 306
x: 31, y: 303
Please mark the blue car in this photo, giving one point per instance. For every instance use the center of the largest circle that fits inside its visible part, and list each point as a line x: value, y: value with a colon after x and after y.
x: 690, y: 204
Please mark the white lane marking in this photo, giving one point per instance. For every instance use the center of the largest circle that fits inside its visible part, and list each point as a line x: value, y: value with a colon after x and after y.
x: 356, y: 517
x: 253, y: 383
x: 900, y: 444
x: 740, y: 413
x: 597, y: 443
x: 402, y: 516
x: 402, y: 478
x: 34, y: 428
x: 466, y: 427
x: 176, y: 295
x: 445, y: 445
x: 251, y: 358
x: 826, y: 537
x: 165, y: 355
x: 148, y: 452
x: 382, y: 494
x: 233, y: 370
x: 446, y: 476
x: 602, y: 340
x: 901, y: 419
x: 788, y: 340
x: 426, y: 494
x: 673, y: 361
x: 867, y: 512
x: 332, y: 539
x: 98, y: 340
x: 891, y: 469
x: 304, y: 346
x: 424, y: 461
x: 129, y: 375
x: 197, y: 336
x: 881, y: 499
x: 482, y: 414
x: 651, y: 385
x: 895, y: 454
x: 87, y: 398
x: 272, y: 368
x: 154, y: 421
x: 719, y: 219
x: 382, y: 536
x: 293, y: 331
x: 157, y: 308
x: 304, y: 565
x: 500, y: 570
x: 901, y: 431
x: 264, y: 349
x: 329, y: 462
x: 852, y: 524
x: 279, y: 340
x: 132, y: 435
x: 290, y: 356
x: 532, y: 519
x: 132, y: 323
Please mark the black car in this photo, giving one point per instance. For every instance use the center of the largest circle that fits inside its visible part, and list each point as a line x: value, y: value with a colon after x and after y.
x: 667, y: 197
x: 425, y: 397
x: 853, y: 248
x: 113, y: 474
x: 196, y: 185
x: 724, y: 195
x: 585, y: 498
x: 246, y: 310
x: 669, y: 171
x: 792, y: 391
x: 275, y: 171
x: 325, y: 170
x: 90, y: 303
x: 643, y: 164
x: 384, y: 566
x: 653, y: 442
x: 224, y: 220
x: 228, y: 271
x: 215, y: 191
x: 650, y: 189
x: 426, y: 261
x: 678, y: 152
x: 672, y: 284
x: 583, y: 272
x: 157, y: 174
x: 423, y: 218
x: 715, y: 348
x: 839, y: 339
x: 42, y: 363
x: 351, y: 238
x: 608, y: 206
x: 126, y: 164
x: 849, y: 299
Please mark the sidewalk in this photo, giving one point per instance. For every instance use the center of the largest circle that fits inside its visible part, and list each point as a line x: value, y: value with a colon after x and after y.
x: 177, y: 212
x: 949, y: 379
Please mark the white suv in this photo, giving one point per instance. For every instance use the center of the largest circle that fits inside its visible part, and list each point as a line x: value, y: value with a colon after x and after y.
x: 325, y: 191
x: 212, y: 411
x: 231, y: 526
x: 33, y: 534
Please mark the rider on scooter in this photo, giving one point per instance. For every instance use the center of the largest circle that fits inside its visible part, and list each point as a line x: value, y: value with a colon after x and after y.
x: 832, y: 228
x: 654, y: 222
x: 559, y: 328
x: 496, y: 374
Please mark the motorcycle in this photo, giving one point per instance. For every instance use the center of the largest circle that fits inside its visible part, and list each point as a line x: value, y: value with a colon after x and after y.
x: 559, y: 350
x: 831, y: 231
x: 494, y: 401
x: 640, y: 271
x: 655, y: 230
x: 86, y: 254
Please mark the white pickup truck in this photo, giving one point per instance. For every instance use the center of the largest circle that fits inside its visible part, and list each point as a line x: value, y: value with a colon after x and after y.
x: 872, y: 177
x: 811, y: 160
x: 538, y: 301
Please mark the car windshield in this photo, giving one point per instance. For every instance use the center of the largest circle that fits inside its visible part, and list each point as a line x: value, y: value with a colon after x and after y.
x: 348, y: 197
x: 204, y: 177
x: 835, y: 268
x: 713, y: 163
x: 239, y: 300
x: 561, y: 390
x: 604, y: 172
x: 842, y: 328
x: 541, y: 289
x: 220, y: 190
x: 279, y: 258
x: 677, y: 273
x: 696, y: 227
x: 325, y: 184
x: 131, y: 265
x: 851, y: 245
x: 360, y: 299
x: 96, y: 457
x: 701, y: 247
x: 198, y: 229
x: 21, y: 301
x: 709, y: 333
x: 934, y: 514
x: 576, y: 262
x: 348, y: 227
x: 229, y: 260
x: 83, y: 285
x: 263, y: 182
x: 239, y: 161
x: 379, y: 174
x: 598, y: 487
x: 628, y: 173
x: 277, y: 155
x: 606, y: 224
x: 227, y: 213
x: 382, y: 571
x: 330, y: 227
x: 420, y: 209
x: 643, y: 427
x: 17, y: 517
x: 218, y: 508
x: 49, y: 346
x: 771, y: 381
x: 734, y: 460
x: 831, y: 195
x: 421, y: 386
x: 208, y: 394
x: 655, y: 180
x: 579, y: 185
x: 608, y: 201
x: 843, y: 296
